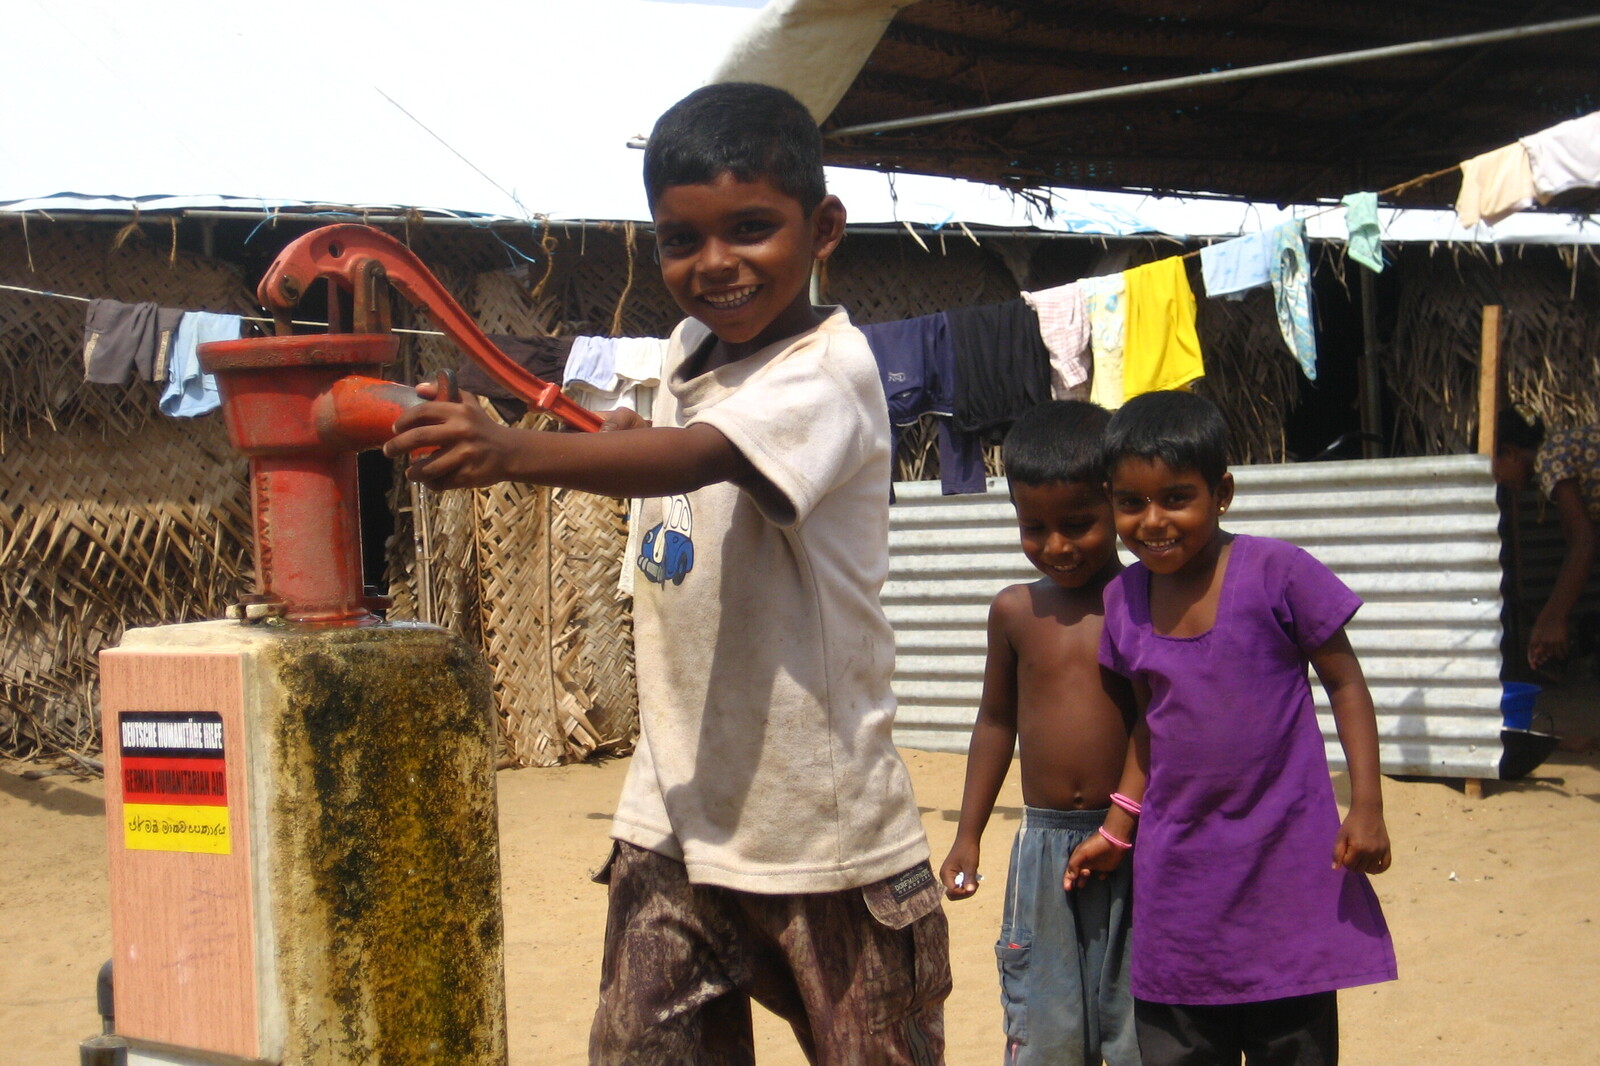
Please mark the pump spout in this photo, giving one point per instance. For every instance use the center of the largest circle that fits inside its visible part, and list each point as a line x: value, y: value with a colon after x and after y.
x: 358, y: 413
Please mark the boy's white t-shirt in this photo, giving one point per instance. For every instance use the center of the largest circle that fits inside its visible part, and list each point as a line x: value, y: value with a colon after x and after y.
x: 765, y: 760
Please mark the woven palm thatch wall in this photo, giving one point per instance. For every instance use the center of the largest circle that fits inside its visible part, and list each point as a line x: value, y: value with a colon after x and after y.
x: 528, y: 573
x: 111, y: 515
x: 1550, y: 345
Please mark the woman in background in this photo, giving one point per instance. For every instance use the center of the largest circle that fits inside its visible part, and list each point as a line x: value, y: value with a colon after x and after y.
x: 1566, y: 464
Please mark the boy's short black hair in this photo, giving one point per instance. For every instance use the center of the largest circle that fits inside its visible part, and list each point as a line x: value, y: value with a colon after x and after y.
x: 750, y: 131
x: 1059, y: 440
x: 1182, y: 430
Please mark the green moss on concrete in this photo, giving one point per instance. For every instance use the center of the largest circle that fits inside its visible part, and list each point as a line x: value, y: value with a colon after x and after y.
x: 390, y: 933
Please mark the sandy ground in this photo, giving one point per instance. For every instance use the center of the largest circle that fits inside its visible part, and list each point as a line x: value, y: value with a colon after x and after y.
x: 1494, y: 906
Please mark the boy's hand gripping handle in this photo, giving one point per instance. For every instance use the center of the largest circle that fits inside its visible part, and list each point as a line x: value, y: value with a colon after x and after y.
x: 358, y: 259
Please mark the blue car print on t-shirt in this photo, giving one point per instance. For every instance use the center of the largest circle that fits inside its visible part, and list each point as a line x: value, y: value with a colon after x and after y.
x: 667, y: 551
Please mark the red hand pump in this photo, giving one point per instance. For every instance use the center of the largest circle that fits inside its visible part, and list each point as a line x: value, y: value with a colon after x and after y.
x: 302, y: 406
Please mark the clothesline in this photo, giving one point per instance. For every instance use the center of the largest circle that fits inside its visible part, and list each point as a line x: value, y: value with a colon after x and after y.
x: 1492, y: 187
x: 1393, y: 190
x: 1508, y: 179
x: 1106, y: 307
x: 244, y: 318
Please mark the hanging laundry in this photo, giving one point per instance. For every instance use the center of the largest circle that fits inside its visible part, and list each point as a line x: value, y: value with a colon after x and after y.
x: 916, y: 364
x: 167, y: 322
x: 191, y: 392
x: 626, y: 394
x: 1161, y: 349
x: 902, y: 350
x: 543, y: 357
x: 1291, y: 294
x: 644, y: 401
x: 593, y: 362
x: 1495, y: 185
x: 1064, y: 328
x: 1232, y: 268
x: 1002, y: 365
x: 1361, y: 223
x: 1565, y: 156
x: 639, y: 359
x: 127, y: 340
x: 112, y: 331
x: 1103, y: 299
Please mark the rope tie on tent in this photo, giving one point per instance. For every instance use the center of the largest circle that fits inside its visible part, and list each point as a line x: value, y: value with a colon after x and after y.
x: 1404, y: 186
x: 130, y: 230
x: 627, y: 286
x: 547, y: 245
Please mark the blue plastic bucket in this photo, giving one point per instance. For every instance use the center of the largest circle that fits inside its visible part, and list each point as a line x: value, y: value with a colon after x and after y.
x: 1516, y: 704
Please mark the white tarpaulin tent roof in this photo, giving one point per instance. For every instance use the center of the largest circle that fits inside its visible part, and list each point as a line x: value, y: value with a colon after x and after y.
x: 529, y: 105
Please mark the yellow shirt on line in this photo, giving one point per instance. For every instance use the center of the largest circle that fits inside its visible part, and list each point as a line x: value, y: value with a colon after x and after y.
x: 1161, y: 349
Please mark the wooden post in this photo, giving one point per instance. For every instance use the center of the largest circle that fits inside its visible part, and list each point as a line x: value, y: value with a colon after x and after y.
x: 1491, y: 379
x: 1491, y: 392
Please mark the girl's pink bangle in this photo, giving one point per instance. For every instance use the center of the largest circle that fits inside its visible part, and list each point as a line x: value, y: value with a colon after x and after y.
x: 1122, y: 844
x: 1131, y: 806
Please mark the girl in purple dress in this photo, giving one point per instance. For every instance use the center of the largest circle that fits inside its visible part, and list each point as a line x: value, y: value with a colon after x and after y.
x: 1253, y: 904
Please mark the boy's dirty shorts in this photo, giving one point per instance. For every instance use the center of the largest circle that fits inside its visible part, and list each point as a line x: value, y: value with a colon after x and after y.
x: 861, y: 975
x: 1063, y: 955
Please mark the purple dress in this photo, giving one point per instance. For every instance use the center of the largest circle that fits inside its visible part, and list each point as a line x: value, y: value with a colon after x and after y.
x: 1235, y: 898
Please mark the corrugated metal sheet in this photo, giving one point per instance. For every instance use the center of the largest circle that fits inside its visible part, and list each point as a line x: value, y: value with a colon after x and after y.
x: 1417, y: 539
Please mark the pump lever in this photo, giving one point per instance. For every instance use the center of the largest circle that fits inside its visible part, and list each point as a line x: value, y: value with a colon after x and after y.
x: 350, y: 255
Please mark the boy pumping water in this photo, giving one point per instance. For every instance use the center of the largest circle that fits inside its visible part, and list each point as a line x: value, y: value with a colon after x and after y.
x: 767, y: 844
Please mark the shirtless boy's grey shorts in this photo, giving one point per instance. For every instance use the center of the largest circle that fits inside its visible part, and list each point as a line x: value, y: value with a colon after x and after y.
x: 1064, y: 955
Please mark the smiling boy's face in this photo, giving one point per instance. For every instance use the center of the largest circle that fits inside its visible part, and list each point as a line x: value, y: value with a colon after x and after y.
x: 1066, y: 529
x: 737, y: 256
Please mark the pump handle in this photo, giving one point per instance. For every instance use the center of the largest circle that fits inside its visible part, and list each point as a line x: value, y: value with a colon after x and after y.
x: 347, y: 253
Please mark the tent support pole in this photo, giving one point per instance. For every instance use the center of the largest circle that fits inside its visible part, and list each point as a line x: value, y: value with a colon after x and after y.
x: 1292, y: 66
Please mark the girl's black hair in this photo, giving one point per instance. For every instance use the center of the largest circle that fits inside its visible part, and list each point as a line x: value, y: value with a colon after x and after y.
x: 1182, y: 430
x: 751, y: 131
x: 1518, y: 427
x: 1059, y: 440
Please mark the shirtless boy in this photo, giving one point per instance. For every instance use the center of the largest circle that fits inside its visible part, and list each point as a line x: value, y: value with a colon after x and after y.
x: 1062, y: 955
